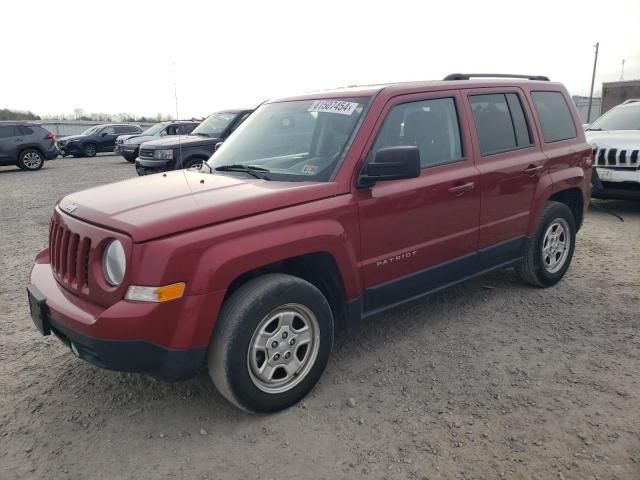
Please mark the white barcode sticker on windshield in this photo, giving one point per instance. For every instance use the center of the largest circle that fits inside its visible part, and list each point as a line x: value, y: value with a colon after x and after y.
x: 333, y: 106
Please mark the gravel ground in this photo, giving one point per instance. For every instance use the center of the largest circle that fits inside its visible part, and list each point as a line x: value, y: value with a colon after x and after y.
x: 492, y: 379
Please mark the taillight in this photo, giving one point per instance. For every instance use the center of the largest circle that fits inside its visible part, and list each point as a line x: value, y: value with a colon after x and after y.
x: 51, y: 136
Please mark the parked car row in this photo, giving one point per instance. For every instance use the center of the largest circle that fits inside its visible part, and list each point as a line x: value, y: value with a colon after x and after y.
x: 172, y: 145
x: 129, y: 145
x: 188, y: 151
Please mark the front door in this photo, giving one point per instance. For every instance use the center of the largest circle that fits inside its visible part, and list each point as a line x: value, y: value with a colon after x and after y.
x: 420, y: 234
x: 107, y: 139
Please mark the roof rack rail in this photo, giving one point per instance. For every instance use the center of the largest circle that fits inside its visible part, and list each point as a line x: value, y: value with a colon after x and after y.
x: 631, y: 100
x: 467, y: 76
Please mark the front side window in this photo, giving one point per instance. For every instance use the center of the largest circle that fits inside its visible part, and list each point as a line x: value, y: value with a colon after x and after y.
x: 500, y: 122
x: 214, y: 124
x: 154, y: 129
x: 555, y: 118
x: 92, y: 130
x: 626, y: 117
x: 109, y: 131
x: 430, y: 125
x: 295, y: 141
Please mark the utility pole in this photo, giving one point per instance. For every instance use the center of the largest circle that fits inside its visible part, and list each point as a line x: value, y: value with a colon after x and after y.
x: 622, y: 72
x: 593, y: 79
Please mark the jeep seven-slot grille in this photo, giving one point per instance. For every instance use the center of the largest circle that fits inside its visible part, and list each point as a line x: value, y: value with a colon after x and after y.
x: 617, y: 158
x: 69, y: 254
x: 146, y: 153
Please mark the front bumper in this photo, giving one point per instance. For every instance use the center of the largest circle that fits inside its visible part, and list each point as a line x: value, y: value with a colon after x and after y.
x: 618, y: 183
x: 168, y: 340
x: 69, y: 148
x: 147, y: 166
x: 128, y: 152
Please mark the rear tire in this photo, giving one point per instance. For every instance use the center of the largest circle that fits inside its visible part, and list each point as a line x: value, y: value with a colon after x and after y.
x: 90, y: 150
x: 548, y: 254
x: 271, y: 343
x: 31, y: 160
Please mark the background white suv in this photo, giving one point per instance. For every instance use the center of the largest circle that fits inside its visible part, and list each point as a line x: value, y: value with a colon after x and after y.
x: 615, y: 137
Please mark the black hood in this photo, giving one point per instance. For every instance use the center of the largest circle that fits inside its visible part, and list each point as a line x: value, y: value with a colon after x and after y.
x: 137, y: 139
x: 183, y: 140
x: 71, y: 137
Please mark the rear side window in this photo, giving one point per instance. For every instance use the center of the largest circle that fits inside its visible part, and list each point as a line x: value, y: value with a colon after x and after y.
x: 25, y: 130
x: 555, y: 118
x: 7, y: 131
x: 126, y: 129
x: 430, y: 125
x: 500, y: 122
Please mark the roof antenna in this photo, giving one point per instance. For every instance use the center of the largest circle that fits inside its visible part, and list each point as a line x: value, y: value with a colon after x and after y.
x: 175, y: 94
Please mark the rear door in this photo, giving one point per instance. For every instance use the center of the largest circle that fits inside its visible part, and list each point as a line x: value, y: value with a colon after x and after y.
x: 9, y: 136
x: 510, y: 163
x: 421, y: 233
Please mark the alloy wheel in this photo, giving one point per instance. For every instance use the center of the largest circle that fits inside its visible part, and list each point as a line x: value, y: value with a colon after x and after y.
x: 283, y: 348
x: 32, y: 160
x: 555, y: 245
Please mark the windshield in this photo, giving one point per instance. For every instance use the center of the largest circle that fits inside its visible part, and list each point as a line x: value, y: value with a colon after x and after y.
x: 154, y: 129
x: 92, y: 130
x: 620, y: 118
x: 214, y: 124
x: 296, y: 141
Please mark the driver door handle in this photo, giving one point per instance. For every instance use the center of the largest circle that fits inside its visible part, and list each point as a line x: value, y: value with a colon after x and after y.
x: 533, y: 169
x: 460, y: 189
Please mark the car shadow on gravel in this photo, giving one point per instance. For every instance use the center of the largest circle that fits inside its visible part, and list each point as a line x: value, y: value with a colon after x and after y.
x: 14, y: 170
x: 622, y: 208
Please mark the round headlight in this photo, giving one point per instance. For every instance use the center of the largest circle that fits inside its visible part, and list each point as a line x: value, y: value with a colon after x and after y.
x: 114, y: 263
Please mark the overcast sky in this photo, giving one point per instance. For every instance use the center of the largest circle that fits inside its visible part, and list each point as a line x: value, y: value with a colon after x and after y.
x: 118, y: 56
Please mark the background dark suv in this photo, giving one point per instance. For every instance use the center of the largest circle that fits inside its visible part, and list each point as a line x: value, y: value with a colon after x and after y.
x: 96, y: 139
x: 26, y: 145
x: 129, y: 145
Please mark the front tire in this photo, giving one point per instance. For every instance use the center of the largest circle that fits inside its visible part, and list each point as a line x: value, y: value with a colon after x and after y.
x: 271, y: 343
x: 30, y: 160
x: 90, y: 150
x: 548, y: 254
x: 194, y: 163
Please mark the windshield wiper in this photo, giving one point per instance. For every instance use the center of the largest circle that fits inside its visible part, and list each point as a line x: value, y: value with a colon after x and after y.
x: 594, y: 129
x: 257, y: 172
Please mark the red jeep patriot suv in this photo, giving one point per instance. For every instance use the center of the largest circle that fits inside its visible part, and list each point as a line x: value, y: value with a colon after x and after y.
x: 318, y: 212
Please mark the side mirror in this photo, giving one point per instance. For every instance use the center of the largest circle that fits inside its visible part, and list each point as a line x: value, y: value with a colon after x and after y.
x: 215, y: 149
x: 391, y: 163
x: 103, y: 134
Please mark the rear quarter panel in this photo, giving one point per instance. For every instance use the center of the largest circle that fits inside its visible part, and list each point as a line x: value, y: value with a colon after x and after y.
x: 569, y: 161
